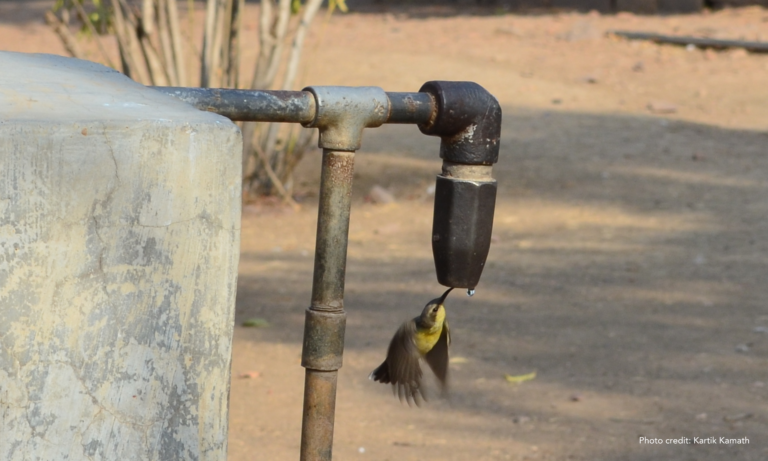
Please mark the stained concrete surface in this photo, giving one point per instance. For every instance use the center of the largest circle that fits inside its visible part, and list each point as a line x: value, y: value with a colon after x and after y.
x: 119, y: 237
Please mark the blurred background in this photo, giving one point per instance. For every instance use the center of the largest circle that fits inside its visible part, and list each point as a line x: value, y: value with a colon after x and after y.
x: 629, y: 256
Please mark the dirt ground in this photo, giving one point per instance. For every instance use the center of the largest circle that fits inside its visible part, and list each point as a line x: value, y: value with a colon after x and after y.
x: 629, y: 260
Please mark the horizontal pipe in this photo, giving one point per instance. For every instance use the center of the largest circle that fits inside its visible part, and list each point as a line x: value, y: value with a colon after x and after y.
x: 249, y: 105
x: 290, y: 106
x: 417, y: 108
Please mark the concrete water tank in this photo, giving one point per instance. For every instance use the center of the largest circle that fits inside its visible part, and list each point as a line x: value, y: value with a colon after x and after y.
x: 119, y: 239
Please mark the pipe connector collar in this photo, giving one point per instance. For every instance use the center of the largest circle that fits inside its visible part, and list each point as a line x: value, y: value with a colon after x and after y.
x: 468, y: 121
x: 342, y: 113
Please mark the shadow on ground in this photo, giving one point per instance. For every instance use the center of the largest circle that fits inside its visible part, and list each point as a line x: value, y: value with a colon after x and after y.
x: 627, y: 269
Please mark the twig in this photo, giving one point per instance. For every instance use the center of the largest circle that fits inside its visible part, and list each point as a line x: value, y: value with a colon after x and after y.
x: 233, y: 69
x: 281, y: 29
x: 129, y: 45
x: 273, y: 177
x: 265, y: 43
x: 178, y: 50
x: 754, y: 47
x: 65, y: 35
x: 155, y: 66
x: 87, y: 21
x: 207, y: 55
x: 165, y: 42
x: 148, y: 16
x: 271, y: 42
x: 221, y: 45
x: 298, y: 41
x: 309, y: 12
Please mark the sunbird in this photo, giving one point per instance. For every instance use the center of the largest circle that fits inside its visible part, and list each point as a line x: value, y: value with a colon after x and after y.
x: 427, y: 337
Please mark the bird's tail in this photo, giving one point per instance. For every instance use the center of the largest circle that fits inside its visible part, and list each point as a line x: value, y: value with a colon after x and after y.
x: 380, y: 374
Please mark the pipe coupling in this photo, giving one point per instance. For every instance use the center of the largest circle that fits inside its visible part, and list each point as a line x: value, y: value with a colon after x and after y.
x: 323, y: 346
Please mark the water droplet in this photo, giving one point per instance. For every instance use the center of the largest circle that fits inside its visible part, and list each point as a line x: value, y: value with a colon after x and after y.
x: 470, y: 292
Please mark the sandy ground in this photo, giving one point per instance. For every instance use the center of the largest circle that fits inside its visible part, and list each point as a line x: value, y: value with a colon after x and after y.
x: 629, y: 259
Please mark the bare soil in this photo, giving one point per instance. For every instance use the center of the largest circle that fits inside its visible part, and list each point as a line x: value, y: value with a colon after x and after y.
x: 629, y: 262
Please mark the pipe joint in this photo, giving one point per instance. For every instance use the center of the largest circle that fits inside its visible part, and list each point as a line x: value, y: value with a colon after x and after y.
x: 467, y: 119
x: 323, y: 340
x: 341, y: 114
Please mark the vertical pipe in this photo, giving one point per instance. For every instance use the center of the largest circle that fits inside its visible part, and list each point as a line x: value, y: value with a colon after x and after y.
x: 325, y: 318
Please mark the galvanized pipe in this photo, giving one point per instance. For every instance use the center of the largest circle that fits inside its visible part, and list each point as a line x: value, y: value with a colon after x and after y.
x: 290, y: 106
x: 248, y: 105
x: 325, y: 319
x: 319, y: 415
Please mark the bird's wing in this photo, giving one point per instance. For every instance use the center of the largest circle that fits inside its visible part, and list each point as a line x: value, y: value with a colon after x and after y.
x: 403, y: 361
x: 437, y: 358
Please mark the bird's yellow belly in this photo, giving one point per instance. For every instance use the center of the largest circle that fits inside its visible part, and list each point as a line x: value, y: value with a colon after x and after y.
x: 426, y: 340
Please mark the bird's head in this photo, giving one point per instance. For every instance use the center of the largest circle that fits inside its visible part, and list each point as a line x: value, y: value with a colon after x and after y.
x: 434, y: 311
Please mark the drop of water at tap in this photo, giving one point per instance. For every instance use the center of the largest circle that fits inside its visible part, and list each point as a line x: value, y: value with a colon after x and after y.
x: 470, y: 292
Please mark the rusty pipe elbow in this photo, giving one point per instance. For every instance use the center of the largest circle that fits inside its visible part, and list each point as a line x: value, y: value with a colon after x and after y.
x: 468, y: 121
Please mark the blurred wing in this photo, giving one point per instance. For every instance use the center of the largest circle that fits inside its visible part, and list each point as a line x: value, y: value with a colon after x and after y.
x: 403, y: 363
x: 437, y: 358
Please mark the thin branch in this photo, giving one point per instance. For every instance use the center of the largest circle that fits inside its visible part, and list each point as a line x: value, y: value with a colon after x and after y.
x: 152, y: 58
x: 266, y: 44
x: 133, y: 49
x: 208, y: 38
x: 221, y: 41
x: 281, y: 29
x: 69, y: 42
x: 123, y: 47
x: 87, y: 21
x: 148, y: 16
x: 165, y: 42
x: 178, y: 49
x: 310, y: 10
x: 275, y: 180
x: 233, y: 70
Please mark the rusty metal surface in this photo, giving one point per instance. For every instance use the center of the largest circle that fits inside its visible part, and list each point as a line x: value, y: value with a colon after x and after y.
x: 418, y: 108
x: 300, y: 106
x: 343, y: 112
x: 323, y: 340
x: 468, y: 122
x: 332, y: 230
x: 318, y: 417
x: 248, y: 105
x: 325, y: 320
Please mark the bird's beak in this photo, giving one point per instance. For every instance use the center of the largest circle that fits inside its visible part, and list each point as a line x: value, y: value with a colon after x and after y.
x: 445, y: 295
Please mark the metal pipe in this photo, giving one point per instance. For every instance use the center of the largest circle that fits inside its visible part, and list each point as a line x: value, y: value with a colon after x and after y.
x: 248, y: 105
x: 325, y: 319
x: 467, y: 119
x: 319, y: 415
x: 418, y: 108
x: 290, y: 106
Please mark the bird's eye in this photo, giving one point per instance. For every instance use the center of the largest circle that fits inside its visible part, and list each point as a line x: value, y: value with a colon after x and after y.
x: 435, y: 309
